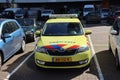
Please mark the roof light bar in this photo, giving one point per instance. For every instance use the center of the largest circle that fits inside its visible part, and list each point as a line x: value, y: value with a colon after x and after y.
x: 63, y: 16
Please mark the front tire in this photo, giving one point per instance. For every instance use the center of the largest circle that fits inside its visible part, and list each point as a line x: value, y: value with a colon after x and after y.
x: 117, y: 61
x: 109, y: 46
x: 34, y: 38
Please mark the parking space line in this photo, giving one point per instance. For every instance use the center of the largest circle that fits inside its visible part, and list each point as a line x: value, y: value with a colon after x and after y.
x: 95, y: 59
x: 11, y: 73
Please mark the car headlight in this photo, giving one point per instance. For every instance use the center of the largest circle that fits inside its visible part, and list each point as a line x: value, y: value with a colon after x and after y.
x: 83, y: 49
x: 40, y: 49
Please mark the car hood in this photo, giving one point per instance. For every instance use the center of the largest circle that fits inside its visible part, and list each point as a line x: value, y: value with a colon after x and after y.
x: 68, y: 42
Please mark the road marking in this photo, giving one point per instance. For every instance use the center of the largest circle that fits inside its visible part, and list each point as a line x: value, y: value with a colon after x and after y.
x: 10, y: 74
x: 95, y: 59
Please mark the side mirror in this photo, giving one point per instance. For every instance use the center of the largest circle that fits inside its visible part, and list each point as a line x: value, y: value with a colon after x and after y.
x: 113, y: 32
x: 37, y: 32
x: 88, y: 32
x: 6, y: 35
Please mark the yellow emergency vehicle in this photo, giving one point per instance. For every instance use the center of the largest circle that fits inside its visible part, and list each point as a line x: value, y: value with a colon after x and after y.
x: 63, y: 43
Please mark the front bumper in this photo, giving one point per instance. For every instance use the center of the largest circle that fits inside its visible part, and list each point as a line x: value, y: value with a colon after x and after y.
x: 78, y: 60
x: 29, y: 36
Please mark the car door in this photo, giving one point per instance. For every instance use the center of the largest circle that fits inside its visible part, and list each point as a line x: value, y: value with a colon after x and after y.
x: 8, y: 46
x: 115, y: 38
x: 118, y: 37
x: 17, y: 37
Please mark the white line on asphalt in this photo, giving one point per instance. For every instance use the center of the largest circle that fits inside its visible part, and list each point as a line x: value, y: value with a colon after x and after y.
x: 10, y: 74
x: 95, y: 59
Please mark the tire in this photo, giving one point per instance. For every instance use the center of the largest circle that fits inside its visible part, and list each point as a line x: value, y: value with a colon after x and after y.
x: 22, y: 49
x: 117, y: 63
x: 34, y: 38
x: 109, y: 47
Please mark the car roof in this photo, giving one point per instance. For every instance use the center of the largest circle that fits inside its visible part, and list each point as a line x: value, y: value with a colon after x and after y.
x: 56, y: 20
x: 3, y: 19
x: 12, y: 9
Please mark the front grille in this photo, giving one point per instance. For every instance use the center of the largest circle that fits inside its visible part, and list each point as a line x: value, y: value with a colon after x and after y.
x: 61, y: 53
x: 62, y: 64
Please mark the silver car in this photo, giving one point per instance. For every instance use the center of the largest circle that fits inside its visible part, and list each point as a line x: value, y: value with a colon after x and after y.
x: 114, y: 41
x: 12, y: 39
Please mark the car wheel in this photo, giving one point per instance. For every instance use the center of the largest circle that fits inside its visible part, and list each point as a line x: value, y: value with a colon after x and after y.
x: 109, y: 47
x: 34, y: 38
x: 117, y: 61
x: 0, y: 61
x: 22, y: 49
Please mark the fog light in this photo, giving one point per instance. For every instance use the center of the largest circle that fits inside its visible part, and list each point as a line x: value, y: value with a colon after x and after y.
x: 40, y: 62
x: 83, y: 61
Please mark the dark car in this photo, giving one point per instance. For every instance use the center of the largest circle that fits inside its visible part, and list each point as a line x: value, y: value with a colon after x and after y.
x: 93, y: 17
x: 29, y: 27
x: 10, y: 12
x: 111, y: 18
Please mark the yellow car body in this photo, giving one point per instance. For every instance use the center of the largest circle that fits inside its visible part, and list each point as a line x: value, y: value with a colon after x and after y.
x: 63, y: 51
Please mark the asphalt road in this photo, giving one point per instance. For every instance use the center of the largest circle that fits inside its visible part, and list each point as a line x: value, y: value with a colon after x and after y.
x: 22, y: 67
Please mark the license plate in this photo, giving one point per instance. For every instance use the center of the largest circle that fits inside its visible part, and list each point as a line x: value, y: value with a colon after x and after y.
x: 62, y: 59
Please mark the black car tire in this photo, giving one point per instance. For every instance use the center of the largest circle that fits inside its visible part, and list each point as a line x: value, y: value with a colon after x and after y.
x: 117, y: 61
x: 34, y: 38
x: 22, y: 49
x: 109, y: 46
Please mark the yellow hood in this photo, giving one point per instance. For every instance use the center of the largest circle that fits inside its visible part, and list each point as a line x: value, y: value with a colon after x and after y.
x: 63, y: 41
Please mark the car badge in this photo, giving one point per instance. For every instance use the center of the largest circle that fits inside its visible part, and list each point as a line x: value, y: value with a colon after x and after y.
x: 61, y: 50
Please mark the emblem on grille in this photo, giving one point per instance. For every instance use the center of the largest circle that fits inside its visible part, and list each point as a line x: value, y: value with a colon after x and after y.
x: 61, y: 50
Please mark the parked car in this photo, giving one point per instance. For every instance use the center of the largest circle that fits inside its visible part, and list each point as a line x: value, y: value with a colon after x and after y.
x: 88, y: 8
x: 21, y: 14
x: 117, y: 8
x: 29, y: 27
x: 93, y: 17
x: 114, y: 41
x: 10, y: 12
x: 111, y: 18
x: 75, y: 11
x: 12, y: 39
x: 104, y: 13
x: 45, y: 13
x: 63, y: 43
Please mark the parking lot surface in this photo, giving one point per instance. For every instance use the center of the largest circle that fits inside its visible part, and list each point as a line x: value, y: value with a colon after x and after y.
x: 104, y: 69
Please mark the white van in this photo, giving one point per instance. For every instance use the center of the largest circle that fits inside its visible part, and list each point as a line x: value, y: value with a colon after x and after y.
x: 88, y: 8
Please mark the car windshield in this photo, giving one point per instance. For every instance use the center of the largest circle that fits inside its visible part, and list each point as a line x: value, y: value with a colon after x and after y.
x: 26, y: 22
x: 88, y: 9
x: 105, y: 10
x: 28, y: 28
x: 47, y: 11
x: 117, y: 13
x: 62, y: 29
x: 94, y: 14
